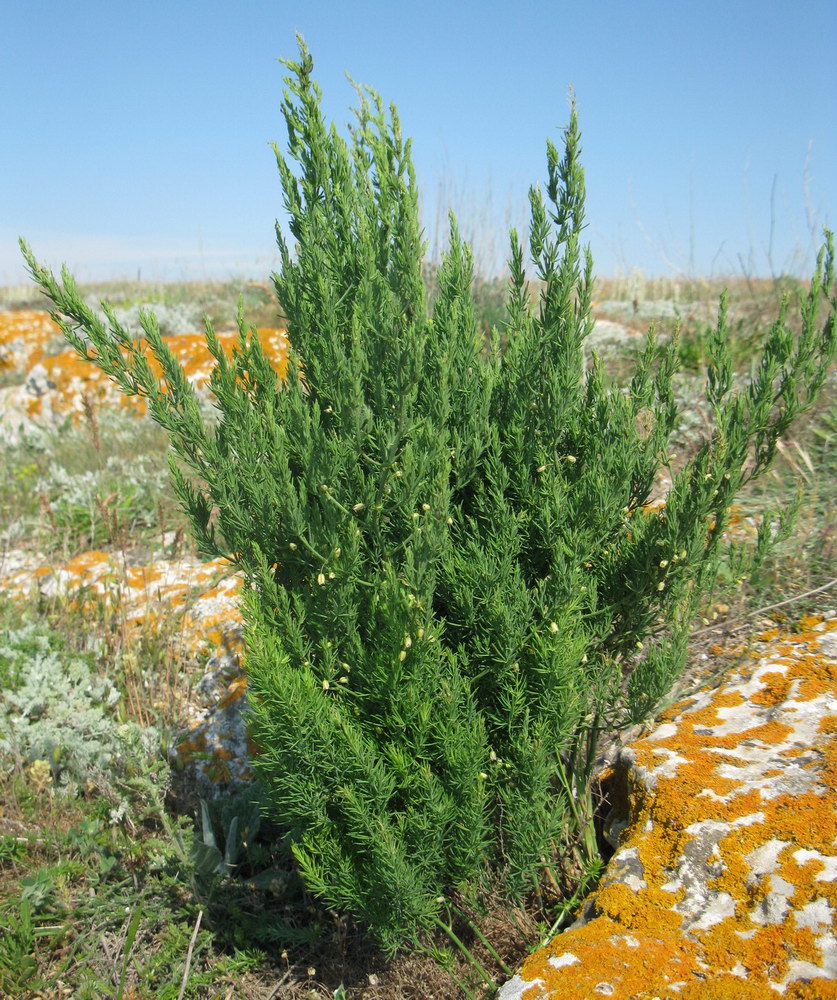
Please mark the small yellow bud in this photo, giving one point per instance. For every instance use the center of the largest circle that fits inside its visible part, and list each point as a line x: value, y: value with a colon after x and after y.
x: 571, y: 459
x: 584, y: 658
x: 638, y: 644
x: 492, y: 756
x: 449, y: 520
x: 420, y: 633
x: 483, y: 775
x: 663, y: 563
x: 292, y: 546
x: 553, y: 627
x: 338, y: 552
x: 326, y: 685
x: 402, y: 656
x: 398, y: 473
x: 541, y: 468
x: 331, y: 576
x: 425, y: 507
x: 343, y: 680
x: 415, y: 515
x: 661, y: 585
x: 705, y: 621
x: 516, y: 667
x: 683, y: 554
x: 407, y: 642
x: 358, y: 507
x: 321, y: 578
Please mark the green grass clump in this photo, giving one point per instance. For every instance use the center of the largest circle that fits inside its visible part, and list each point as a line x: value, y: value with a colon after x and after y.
x: 453, y: 585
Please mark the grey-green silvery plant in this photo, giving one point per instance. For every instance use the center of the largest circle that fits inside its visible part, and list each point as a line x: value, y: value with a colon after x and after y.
x: 54, y: 708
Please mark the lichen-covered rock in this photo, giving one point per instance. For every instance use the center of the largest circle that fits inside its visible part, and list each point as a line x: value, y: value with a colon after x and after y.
x: 54, y: 382
x: 724, y: 886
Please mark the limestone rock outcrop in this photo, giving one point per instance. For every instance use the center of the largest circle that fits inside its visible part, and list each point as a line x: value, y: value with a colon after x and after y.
x: 724, y: 883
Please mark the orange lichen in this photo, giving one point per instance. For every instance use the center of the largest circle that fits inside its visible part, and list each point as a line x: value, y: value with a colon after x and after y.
x: 25, y: 336
x: 234, y: 691
x: 774, y: 690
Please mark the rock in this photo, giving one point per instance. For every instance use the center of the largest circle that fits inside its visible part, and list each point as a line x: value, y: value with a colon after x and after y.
x: 724, y: 884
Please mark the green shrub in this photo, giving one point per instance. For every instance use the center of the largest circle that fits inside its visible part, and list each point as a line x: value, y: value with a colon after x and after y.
x: 453, y: 587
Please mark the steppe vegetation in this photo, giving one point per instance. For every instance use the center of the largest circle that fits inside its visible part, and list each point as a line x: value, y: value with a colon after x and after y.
x: 114, y: 882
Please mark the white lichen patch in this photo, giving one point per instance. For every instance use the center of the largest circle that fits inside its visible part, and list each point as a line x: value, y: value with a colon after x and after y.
x: 559, y: 961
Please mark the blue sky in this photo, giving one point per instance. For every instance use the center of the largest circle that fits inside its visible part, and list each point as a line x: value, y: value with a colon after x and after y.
x: 135, y: 137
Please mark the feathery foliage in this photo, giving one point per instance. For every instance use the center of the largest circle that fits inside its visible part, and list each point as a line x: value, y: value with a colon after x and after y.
x: 453, y: 584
